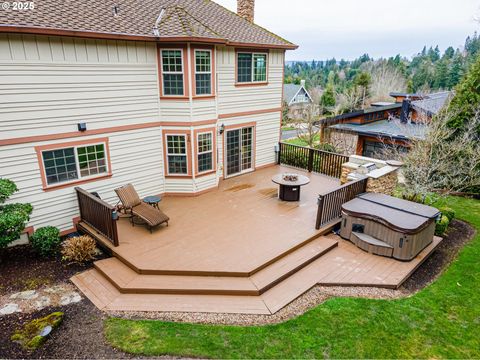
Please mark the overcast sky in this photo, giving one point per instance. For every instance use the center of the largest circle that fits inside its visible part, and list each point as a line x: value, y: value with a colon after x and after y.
x: 348, y: 28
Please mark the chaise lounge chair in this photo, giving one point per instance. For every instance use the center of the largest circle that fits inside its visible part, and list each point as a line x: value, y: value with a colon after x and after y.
x: 132, y: 202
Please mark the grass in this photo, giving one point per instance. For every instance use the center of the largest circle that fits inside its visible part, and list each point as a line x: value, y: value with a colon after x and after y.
x: 441, y: 321
x: 288, y: 128
x: 301, y: 142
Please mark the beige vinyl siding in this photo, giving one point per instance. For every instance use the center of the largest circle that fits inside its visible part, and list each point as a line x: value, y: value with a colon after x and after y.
x: 136, y: 157
x: 49, y: 84
x: 232, y: 99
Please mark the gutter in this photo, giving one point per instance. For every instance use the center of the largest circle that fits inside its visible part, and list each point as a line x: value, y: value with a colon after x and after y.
x: 5, y: 28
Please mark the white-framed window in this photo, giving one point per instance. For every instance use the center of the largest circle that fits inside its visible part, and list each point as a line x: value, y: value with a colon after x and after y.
x: 251, y: 67
x: 177, y: 154
x: 204, y: 152
x: 203, y: 72
x: 74, y: 163
x: 172, y: 72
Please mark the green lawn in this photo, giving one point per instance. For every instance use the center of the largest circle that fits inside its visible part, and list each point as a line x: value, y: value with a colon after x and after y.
x: 300, y: 142
x: 441, y: 321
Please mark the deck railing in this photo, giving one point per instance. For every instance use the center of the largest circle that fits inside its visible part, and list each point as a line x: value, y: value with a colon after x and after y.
x: 319, y: 161
x: 98, y: 214
x: 330, y: 203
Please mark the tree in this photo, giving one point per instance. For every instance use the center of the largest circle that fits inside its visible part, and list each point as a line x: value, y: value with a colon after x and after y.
x: 363, y: 81
x: 466, y: 101
x: 385, y: 79
x: 441, y: 75
x: 327, y: 99
x: 456, y: 71
x: 307, y: 127
x: 285, y: 117
x: 442, y: 161
x: 13, y: 217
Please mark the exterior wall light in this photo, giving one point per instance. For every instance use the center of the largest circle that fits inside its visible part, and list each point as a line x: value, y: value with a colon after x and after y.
x: 221, y: 129
x: 82, y: 126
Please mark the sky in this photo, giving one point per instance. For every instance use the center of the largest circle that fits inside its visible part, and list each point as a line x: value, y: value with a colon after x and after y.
x: 349, y: 28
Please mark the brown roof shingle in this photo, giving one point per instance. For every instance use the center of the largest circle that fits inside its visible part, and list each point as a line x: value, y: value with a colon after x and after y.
x: 203, y: 19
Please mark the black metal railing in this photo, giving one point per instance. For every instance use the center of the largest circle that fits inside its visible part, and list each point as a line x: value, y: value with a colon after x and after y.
x: 319, y: 161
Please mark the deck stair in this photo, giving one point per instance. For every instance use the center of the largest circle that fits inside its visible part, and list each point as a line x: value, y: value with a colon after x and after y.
x: 113, y: 285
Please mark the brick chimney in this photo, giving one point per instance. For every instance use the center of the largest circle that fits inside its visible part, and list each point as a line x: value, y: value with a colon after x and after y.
x: 246, y: 9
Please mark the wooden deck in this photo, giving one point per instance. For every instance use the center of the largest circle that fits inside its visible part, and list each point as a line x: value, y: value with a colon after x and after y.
x: 237, y: 249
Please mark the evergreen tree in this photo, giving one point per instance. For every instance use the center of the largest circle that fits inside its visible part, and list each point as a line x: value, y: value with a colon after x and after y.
x: 467, y: 98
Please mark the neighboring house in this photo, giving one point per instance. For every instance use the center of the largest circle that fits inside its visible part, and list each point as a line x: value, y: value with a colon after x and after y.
x: 368, y: 132
x: 295, y: 96
x: 172, y: 96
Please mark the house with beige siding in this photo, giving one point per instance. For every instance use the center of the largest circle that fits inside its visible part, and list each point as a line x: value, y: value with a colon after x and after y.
x: 172, y: 96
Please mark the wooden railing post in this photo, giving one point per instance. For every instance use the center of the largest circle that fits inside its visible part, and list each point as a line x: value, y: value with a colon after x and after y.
x: 320, y: 202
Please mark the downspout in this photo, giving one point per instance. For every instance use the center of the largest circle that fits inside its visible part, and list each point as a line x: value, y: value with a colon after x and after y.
x: 156, y: 32
x: 190, y: 99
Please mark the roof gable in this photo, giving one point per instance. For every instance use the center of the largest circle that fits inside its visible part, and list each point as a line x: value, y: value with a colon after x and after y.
x: 290, y: 91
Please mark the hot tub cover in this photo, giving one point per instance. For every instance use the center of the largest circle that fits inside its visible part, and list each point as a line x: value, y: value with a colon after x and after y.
x: 401, y: 214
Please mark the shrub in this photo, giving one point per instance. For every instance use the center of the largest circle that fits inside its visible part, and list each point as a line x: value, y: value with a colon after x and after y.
x: 448, y: 212
x: 441, y: 226
x: 13, y: 217
x: 79, y: 249
x: 46, y: 240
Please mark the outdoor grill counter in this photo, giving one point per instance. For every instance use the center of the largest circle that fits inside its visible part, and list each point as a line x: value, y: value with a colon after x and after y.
x: 388, y: 226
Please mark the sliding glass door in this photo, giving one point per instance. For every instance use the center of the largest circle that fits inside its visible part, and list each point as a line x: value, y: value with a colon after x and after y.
x: 239, y: 150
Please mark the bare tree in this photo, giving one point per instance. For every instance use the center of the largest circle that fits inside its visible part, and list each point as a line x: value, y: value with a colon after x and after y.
x: 444, y: 160
x: 307, y: 124
x: 385, y: 78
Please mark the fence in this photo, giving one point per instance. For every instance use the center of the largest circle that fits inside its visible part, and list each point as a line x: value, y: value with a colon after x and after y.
x: 330, y: 203
x: 319, y: 161
x: 98, y: 214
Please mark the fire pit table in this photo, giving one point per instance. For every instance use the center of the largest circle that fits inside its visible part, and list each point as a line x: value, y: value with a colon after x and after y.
x: 290, y: 186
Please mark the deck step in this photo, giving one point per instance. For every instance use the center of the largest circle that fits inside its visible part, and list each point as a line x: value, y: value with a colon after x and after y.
x: 372, y: 244
x: 92, y: 283
x: 126, y: 280
x: 291, y: 263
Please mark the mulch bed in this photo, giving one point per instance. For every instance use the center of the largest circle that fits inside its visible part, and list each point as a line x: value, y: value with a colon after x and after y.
x: 458, y: 234
x: 22, y: 269
x: 81, y: 334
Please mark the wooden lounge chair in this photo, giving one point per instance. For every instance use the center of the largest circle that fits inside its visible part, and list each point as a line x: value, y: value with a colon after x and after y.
x: 133, y: 204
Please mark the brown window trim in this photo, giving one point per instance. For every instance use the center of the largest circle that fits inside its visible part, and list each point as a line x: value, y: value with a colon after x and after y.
x: 40, y: 149
x: 193, y: 48
x: 196, y: 132
x: 188, y: 154
x: 252, y: 51
x: 186, y: 72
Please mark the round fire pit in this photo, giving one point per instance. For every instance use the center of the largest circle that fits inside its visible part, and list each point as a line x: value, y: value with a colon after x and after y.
x: 290, y: 186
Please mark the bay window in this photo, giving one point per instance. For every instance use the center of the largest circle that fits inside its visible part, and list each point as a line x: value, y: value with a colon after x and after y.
x: 203, y: 72
x: 177, y: 154
x: 172, y: 72
x: 205, y: 152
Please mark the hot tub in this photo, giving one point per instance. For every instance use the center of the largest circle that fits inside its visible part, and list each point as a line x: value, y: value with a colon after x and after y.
x: 388, y: 226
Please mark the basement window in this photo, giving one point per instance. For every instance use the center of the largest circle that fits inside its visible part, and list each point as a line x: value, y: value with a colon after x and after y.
x: 74, y: 163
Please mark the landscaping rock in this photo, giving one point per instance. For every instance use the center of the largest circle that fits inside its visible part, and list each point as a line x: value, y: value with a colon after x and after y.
x: 10, y: 309
x: 70, y: 298
x: 55, y: 289
x: 43, y: 302
x: 25, y: 295
x: 31, y: 336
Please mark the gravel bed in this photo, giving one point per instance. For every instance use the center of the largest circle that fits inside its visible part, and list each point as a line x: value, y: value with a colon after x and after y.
x: 458, y: 235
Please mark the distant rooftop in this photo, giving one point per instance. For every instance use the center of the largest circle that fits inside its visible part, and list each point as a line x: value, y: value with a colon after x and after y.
x: 290, y: 90
x: 432, y: 103
x: 386, y: 128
